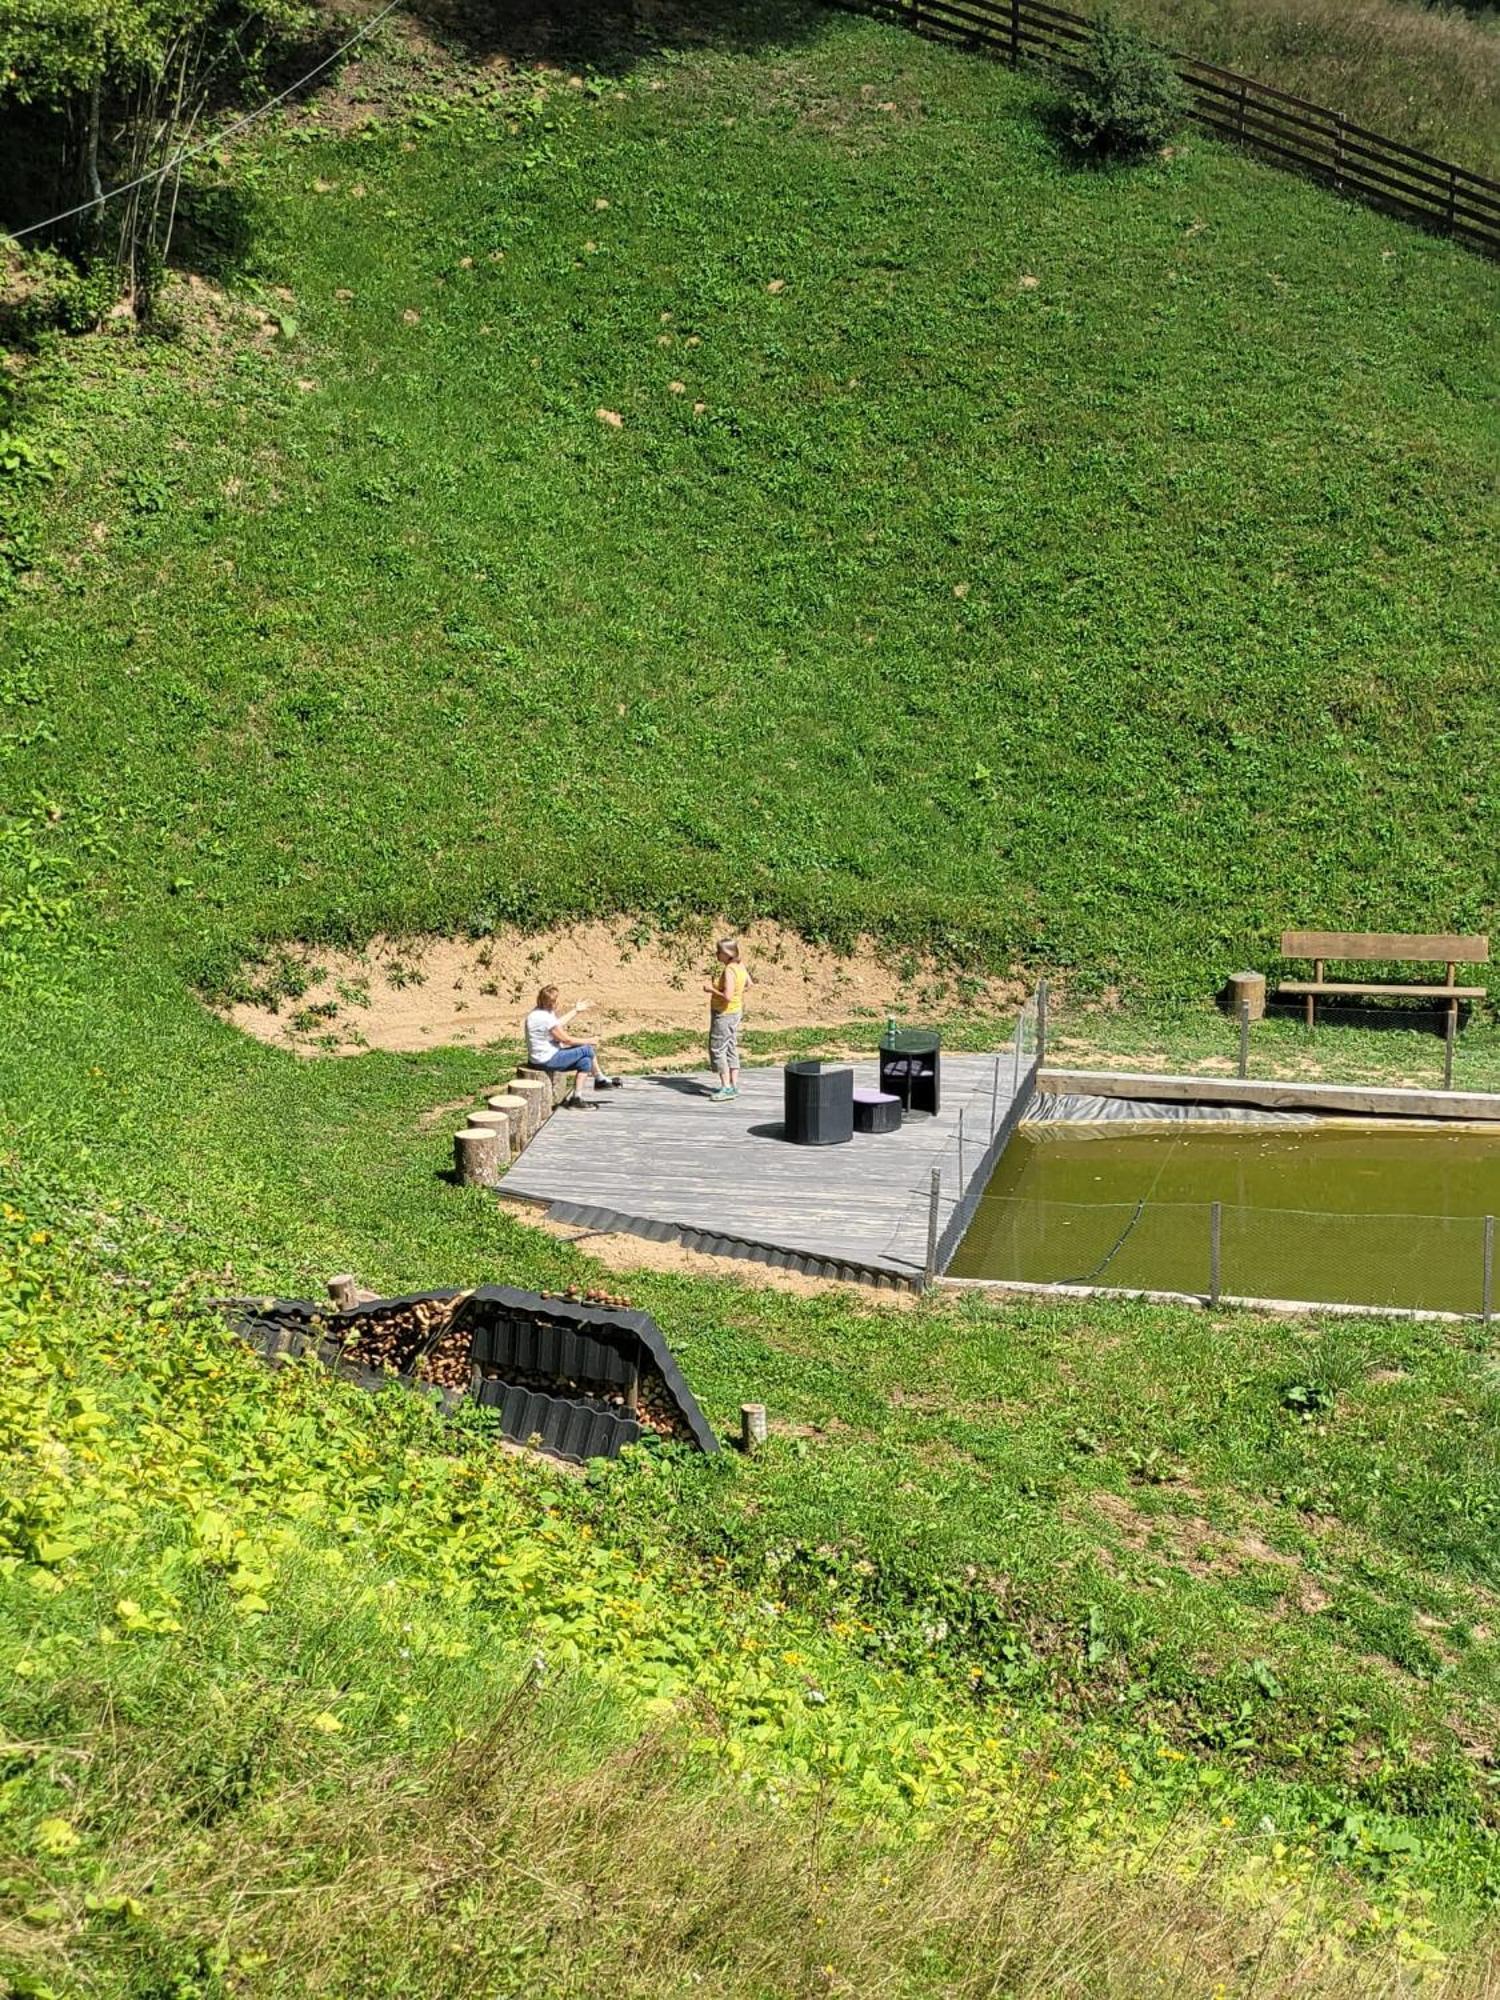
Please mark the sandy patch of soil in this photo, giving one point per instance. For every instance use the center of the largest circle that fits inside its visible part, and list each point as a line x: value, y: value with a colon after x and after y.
x: 423, y: 993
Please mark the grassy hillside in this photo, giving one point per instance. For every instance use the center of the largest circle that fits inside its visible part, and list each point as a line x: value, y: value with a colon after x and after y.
x: 1107, y: 622
x: 1103, y: 623
x: 1011, y: 1654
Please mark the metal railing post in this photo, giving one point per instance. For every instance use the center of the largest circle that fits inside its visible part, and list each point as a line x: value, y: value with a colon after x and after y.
x: 1244, y: 1038
x: 935, y: 1195
x: 1215, y: 1245
x: 995, y: 1099
x: 962, y: 1183
x: 1487, y: 1292
x: 1448, y: 1047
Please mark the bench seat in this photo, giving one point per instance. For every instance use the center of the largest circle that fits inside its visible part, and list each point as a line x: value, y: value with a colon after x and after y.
x: 1323, y: 986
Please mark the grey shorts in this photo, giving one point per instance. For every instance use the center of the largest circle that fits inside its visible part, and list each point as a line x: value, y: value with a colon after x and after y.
x: 724, y: 1039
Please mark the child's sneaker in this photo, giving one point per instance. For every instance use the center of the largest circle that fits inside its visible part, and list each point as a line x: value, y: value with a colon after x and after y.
x: 723, y: 1094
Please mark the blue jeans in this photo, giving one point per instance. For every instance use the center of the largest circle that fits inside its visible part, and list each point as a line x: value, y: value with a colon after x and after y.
x: 581, y: 1057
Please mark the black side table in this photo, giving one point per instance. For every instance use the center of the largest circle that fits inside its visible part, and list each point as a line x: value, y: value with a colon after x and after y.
x: 819, y: 1104
x: 909, y: 1067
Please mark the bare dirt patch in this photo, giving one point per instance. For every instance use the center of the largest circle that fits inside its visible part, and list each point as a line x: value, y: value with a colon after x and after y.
x: 424, y: 993
x: 1189, y: 1542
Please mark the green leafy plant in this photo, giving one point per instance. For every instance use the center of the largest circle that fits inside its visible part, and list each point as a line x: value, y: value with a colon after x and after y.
x: 1128, y: 100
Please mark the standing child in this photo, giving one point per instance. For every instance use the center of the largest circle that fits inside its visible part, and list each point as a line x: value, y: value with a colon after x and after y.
x: 726, y: 1010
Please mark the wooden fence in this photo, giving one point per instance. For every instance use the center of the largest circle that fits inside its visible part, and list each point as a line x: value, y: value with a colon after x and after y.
x: 1306, y: 137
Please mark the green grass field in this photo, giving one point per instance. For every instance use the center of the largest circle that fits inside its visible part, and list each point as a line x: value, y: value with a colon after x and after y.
x: 1099, y: 626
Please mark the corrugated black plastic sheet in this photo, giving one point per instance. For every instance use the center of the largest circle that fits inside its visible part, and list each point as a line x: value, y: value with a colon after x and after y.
x: 516, y: 1331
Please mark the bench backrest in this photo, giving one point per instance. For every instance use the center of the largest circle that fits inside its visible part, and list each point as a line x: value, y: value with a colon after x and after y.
x: 1380, y: 947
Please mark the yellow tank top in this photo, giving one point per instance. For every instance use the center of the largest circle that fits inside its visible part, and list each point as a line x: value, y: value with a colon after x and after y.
x: 732, y: 998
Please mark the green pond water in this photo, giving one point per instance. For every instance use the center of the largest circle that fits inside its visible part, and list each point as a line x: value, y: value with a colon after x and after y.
x: 1359, y: 1214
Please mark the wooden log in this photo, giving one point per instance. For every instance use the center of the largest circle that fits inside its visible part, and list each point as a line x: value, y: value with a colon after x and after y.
x: 497, y: 1122
x: 1247, y: 987
x: 752, y: 1427
x: 537, y: 1097
x: 476, y: 1157
x: 506, y: 1101
x: 344, y: 1290
x: 560, y: 1083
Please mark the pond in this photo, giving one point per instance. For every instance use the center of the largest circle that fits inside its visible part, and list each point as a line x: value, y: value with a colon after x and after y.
x: 1338, y: 1212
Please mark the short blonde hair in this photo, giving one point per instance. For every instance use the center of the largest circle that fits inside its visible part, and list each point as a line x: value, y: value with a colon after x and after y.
x: 547, y: 999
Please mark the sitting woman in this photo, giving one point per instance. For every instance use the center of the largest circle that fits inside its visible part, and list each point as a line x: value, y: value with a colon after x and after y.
x: 550, y: 1046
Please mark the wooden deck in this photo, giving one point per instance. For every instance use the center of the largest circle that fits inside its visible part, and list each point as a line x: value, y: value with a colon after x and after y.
x: 659, y: 1159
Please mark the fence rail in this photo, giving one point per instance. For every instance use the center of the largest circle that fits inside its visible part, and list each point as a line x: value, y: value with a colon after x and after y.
x: 1309, y: 138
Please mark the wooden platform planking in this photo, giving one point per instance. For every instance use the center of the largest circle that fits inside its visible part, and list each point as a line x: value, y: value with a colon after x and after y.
x: 659, y: 1156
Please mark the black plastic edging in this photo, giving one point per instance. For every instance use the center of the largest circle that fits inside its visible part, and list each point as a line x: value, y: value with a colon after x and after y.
x: 296, y: 1326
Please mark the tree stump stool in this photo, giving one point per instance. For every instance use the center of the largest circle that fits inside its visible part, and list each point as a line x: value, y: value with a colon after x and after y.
x: 497, y: 1122
x: 560, y: 1082
x: 537, y: 1098
x: 476, y: 1157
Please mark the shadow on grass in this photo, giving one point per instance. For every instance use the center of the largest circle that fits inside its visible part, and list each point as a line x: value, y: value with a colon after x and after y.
x: 40, y: 171
x: 613, y: 35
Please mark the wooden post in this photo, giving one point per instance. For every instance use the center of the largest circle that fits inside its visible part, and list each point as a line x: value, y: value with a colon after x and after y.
x: 1312, y: 998
x: 1338, y: 151
x: 1247, y: 989
x: 1215, y: 1237
x: 344, y: 1290
x: 1448, y: 224
x: 752, y: 1427
x: 934, y: 1197
x: 1244, y: 1038
x: 476, y: 1157
x: 1487, y: 1292
x: 1448, y: 1034
x: 1015, y: 33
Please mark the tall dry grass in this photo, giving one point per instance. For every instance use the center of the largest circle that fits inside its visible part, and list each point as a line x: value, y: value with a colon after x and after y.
x: 1429, y: 76
x: 509, y: 1865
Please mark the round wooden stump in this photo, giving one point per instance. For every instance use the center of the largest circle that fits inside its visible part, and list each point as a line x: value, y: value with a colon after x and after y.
x: 476, y: 1157
x: 1246, y: 988
x: 497, y: 1122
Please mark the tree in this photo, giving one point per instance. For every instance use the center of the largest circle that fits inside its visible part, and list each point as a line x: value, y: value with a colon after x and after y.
x: 131, y: 81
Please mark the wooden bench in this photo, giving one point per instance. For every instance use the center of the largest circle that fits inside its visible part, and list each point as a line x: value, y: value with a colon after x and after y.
x: 1383, y: 948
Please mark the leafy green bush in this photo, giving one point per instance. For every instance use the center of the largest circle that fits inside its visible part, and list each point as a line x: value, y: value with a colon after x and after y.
x: 1129, y: 100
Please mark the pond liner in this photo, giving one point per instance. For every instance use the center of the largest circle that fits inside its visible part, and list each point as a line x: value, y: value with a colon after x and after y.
x: 581, y: 1346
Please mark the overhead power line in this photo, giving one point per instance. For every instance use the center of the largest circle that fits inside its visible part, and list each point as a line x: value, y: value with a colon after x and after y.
x: 207, y: 145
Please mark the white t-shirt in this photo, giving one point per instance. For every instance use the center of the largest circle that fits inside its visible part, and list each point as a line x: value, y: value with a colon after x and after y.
x: 540, y: 1047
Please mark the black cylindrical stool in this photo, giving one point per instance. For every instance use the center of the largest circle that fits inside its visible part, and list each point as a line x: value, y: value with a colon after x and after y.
x: 909, y: 1067
x: 874, y: 1111
x: 819, y: 1104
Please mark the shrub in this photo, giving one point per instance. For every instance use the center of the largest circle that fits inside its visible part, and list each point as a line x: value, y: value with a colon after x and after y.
x: 1129, y: 100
